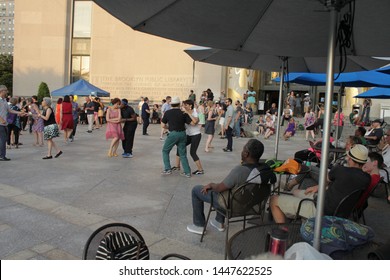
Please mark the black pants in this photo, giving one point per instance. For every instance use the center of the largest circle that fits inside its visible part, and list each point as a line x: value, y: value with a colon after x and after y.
x: 15, y: 129
x: 129, y: 132
x: 145, y: 125
x: 194, y: 140
x: 229, y: 137
x: 75, y: 121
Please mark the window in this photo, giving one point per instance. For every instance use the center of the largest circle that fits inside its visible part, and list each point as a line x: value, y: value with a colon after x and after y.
x: 80, y: 67
x: 82, y: 19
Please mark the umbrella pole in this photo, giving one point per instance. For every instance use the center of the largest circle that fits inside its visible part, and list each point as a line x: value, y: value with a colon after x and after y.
x: 279, y: 118
x: 327, y: 123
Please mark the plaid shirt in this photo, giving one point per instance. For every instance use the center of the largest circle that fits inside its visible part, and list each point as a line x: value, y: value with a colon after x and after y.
x: 4, y: 110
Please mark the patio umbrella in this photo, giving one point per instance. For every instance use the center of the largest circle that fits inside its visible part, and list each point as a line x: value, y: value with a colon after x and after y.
x: 80, y: 88
x: 371, y: 78
x: 375, y: 93
x: 275, y: 27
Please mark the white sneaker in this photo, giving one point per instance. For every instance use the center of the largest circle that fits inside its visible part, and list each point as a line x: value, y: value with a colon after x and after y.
x: 195, y: 229
x: 219, y: 226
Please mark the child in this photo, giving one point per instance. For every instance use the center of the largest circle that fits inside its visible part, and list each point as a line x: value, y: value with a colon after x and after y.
x: 290, y: 131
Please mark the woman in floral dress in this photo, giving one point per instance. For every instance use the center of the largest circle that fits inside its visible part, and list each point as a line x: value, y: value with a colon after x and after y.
x: 114, y: 129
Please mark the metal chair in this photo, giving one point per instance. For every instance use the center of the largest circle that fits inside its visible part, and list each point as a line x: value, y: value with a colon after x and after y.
x: 344, y: 208
x: 246, y: 200
x: 92, y: 245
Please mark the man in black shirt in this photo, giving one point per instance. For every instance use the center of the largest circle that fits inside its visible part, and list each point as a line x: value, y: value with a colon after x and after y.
x: 342, y: 181
x: 175, y: 120
x: 129, y: 118
x: 375, y: 134
x: 145, y: 114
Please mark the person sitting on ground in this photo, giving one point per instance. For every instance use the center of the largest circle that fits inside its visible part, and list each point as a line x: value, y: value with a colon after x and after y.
x: 269, y: 127
x: 287, y: 114
x: 342, y: 181
x: 260, y: 125
x: 250, y: 156
x: 290, y: 131
x: 374, y: 135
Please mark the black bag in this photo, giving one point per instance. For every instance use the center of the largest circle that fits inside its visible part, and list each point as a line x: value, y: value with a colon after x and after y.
x: 121, y: 246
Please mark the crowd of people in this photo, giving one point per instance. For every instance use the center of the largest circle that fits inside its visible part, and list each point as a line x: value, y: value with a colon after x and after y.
x: 182, y: 125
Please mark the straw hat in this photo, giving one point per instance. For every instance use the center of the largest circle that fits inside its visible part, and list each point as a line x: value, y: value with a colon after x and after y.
x: 358, y: 153
x: 175, y: 100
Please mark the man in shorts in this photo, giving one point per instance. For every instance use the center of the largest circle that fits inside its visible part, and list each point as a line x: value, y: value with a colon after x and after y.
x: 342, y: 181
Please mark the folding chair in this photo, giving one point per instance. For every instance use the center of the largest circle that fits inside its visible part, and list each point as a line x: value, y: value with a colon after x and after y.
x: 92, y: 245
x: 246, y: 200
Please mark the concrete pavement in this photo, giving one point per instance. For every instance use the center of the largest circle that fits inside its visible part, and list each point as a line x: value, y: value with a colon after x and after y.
x: 49, y: 208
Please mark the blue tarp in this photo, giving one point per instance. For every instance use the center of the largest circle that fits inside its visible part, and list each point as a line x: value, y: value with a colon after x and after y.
x: 375, y: 93
x: 371, y: 78
x: 80, y: 88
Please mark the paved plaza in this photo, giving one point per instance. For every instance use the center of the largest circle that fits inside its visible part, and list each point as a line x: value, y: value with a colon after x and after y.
x: 49, y: 208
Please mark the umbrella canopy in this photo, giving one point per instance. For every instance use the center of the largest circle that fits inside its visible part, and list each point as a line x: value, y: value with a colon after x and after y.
x: 281, y: 27
x: 385, y: 70
x: 258, y: 61
x: 80, y: 88
x: 353, y: 79
x: 375, y: 93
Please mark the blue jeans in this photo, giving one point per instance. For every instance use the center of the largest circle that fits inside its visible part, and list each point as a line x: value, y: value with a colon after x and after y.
x: 198, y: 200
x: 237, y: 128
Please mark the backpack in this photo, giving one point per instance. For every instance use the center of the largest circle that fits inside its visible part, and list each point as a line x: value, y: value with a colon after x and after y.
x: 121, y: 246
x: 337, y: 234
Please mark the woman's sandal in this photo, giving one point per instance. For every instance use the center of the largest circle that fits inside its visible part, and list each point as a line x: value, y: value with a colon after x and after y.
x: 58, y: 154
x: 47, y: 157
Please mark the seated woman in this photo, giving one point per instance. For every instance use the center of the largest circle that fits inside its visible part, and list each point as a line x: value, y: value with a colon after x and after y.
x: 290, y: 131
x: 248, y: 114
x: 269, y: 127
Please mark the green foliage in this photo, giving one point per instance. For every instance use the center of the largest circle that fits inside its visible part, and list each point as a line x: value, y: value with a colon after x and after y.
x: 43, y: 91
x: 6, y: 71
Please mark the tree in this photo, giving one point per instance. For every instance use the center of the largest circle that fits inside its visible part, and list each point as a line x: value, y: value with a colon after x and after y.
x: 6, y: 71
x: 43, y: 91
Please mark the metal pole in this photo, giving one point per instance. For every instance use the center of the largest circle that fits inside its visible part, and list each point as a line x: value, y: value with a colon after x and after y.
x: 279, y: 118
x: 327, y: 124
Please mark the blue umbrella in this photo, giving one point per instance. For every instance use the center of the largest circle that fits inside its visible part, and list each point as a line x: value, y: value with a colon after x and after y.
x: 80, y: 88
x: 353, y: 79
x: 375, y: 93
x: 385, y: 70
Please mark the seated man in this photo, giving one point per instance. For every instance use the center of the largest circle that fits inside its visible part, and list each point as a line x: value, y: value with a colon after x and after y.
x: 250, y: 155
x: 372, y: 166
x: 360, y: 132
x: 374, y: 135
x: 342, y: 181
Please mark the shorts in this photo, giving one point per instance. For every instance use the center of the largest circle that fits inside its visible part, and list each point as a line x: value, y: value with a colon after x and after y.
x: 289, y: 204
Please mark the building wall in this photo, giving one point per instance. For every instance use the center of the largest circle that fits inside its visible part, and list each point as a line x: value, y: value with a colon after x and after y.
x: 6, y: 26
x: 126, y: 63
